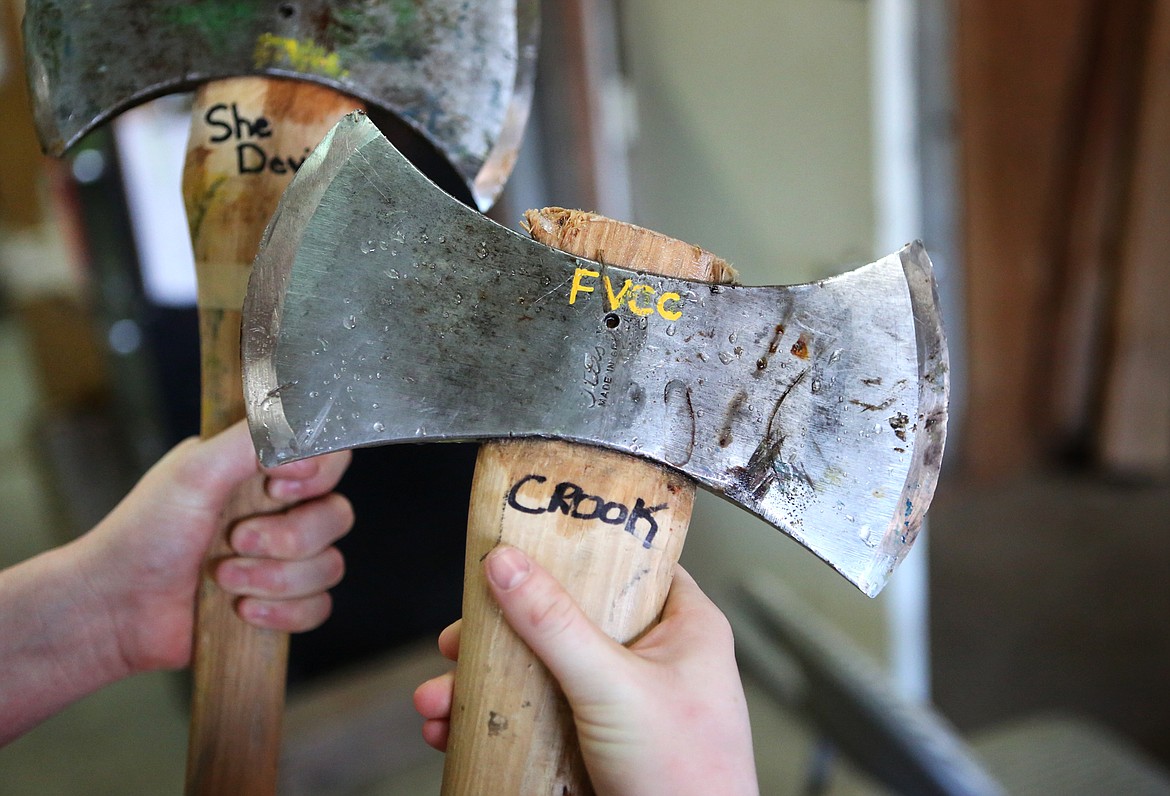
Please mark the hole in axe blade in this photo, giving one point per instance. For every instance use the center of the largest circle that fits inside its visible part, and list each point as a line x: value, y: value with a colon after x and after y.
x: 612, y: 321
x: 287, y: 10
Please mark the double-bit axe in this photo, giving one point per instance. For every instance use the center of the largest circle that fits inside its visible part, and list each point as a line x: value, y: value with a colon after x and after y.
x: 271, y: 78
x: 380, y: 310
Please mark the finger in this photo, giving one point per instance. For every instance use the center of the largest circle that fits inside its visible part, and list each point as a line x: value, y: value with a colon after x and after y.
x: 289, y: 616
x: 270, y: 579
x: 685, y: 594
x: 579, y: 655
x: 308, y: 478
x: 449, y: 640
x: 690, y: 621
x: 432, y: 699
x: 436, y: 732
x: 686, y: 604
x: 303, y: 531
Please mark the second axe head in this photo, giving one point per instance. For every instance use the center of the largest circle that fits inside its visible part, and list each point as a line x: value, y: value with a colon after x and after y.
x: 460, y: 73
x: 381, y: 310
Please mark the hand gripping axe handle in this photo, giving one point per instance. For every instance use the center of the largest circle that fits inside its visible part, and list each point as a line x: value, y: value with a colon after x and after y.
x: 511, y: 728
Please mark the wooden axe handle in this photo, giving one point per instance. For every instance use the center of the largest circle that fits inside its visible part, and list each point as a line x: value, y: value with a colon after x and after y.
x: 585, y: 514
x: 247, y: 137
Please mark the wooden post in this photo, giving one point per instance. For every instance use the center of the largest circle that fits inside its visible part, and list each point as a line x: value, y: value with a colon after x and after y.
x: 1135, y: 426
x: 1013, y: 127
x: 1087, y: 220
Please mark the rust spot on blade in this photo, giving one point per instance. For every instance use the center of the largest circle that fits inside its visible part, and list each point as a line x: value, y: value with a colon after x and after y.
x: 800, y: 347
x: 899, y: 423
x: 734, y: 410
x: 774, y: 346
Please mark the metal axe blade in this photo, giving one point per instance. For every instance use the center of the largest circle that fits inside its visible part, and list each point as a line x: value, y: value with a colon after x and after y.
x: 460, y: 73
x: 382, y: 311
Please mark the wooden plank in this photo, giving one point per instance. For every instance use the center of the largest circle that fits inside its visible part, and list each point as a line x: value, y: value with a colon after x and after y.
x: 1088, y: 218
x: 1015, y: 63
x: 1135, y: 422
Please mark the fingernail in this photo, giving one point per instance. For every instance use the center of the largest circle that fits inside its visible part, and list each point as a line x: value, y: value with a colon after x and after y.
x: 507, y: 568
x: 255, y: 611
x: 247, y: 541
x: 231, y: 576
x: 284, y: 489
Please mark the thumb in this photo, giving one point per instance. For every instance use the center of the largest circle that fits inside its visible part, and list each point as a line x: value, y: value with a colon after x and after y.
x: 209, y: 469
x: 576, y: 651
x: 228, y: 457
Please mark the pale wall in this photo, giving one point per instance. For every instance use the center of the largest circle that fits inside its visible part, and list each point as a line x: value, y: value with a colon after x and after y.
x: 754, y: 142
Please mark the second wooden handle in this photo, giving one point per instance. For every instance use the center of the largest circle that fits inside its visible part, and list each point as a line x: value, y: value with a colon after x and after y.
x: 248, y: 136
x: 610, y: 527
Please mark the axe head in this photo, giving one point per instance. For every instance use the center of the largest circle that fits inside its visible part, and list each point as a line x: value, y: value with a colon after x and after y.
x: 460, y: 73
x: 380, y: 310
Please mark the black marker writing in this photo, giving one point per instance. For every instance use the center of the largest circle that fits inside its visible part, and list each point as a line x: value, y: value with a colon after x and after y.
x: 233, y: 125
x: 573, y: 501
x: 251, y: 158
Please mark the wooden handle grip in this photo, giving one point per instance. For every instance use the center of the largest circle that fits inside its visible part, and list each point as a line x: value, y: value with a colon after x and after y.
x: 610, y: 527
x: 248, y: 136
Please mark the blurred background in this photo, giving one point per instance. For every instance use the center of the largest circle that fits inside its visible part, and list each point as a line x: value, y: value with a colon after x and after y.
x: 1026, y: 142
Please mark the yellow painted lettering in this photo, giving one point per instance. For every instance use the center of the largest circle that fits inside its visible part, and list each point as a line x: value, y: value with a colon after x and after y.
x: 670, y: 315
x: 615, y: 301
x: 634, y: 307
x: 577, y: 286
